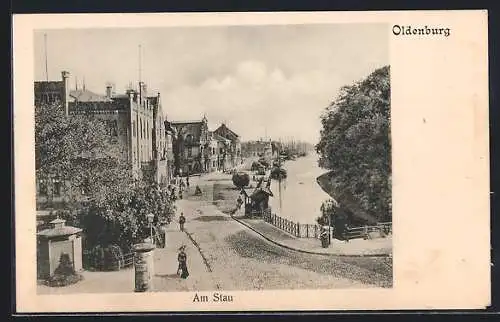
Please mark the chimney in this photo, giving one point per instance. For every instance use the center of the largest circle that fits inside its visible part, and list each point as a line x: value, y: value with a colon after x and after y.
x: 109, y: 90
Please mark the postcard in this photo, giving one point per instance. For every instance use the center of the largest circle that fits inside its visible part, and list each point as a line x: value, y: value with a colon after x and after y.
x: 251, y: 161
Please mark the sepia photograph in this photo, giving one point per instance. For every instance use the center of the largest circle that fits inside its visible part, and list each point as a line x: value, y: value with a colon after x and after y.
x: 237, y: 162
x: 213, y: 158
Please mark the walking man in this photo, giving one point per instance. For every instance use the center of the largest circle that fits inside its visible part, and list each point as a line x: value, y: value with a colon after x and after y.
x: 182, y: 221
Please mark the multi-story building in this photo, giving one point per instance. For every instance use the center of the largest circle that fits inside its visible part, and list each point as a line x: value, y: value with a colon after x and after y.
x: 135, y: 121
x: 212, y: 153
x: 189, y: 146
x: 234, y: 150
x: 222, y: 148
x: 261, y: 148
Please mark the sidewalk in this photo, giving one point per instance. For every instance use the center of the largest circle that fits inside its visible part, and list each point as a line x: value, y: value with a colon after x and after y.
x: 356, y: 247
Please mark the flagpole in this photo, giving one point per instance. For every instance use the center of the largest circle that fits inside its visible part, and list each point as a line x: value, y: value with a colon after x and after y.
x: 46, y: 59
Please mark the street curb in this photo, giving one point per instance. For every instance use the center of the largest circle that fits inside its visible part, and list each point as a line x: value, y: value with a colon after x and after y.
x: 195, y: 243
x: 306, y: 251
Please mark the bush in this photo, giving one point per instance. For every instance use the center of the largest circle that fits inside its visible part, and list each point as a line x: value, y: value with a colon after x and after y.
x: 106, y: 258
x: 64, y: 274
x: 278, y: 173
x: 241, y: 179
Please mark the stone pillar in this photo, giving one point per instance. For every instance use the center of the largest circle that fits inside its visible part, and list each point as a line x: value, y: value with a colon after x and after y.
x: 143, y: 265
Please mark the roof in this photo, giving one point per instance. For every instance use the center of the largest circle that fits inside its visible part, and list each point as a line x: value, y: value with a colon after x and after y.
x: 219, y: 137
x: 120, y: 96
x: 88, y: 96
x: 224, y: 126
x: 60, y: 231
x: 58, y: 221
x: 186, y: 122
x: 49, y: 86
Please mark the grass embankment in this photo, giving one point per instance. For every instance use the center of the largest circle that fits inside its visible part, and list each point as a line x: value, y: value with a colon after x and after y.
x: 327, y: 183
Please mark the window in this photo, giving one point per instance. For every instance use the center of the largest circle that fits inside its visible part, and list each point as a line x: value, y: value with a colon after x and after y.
x: 190, y: 152
x: 113, y: 128
x: 213, y: 164
x: 42, y: 188
x: 140, y: 127
x: 213, y: 150
x: 57, y: 188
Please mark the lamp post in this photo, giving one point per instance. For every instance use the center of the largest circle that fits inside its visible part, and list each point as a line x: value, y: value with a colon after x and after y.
x: 52, y: 191
x: 150, y: 217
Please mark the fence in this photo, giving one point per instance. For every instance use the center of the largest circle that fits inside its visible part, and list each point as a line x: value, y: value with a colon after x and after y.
x: 114, y: 263
x: 294, y: 228
x: 314, y: 230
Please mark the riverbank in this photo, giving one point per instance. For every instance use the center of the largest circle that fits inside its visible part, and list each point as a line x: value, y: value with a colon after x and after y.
x: 355, y: 248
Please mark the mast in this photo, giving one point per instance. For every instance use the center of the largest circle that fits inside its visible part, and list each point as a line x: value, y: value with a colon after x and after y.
x: 140, y: 77
x: 46, y: 58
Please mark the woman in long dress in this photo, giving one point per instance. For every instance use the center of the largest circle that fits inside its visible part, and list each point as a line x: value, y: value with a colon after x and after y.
x: 182, y: 259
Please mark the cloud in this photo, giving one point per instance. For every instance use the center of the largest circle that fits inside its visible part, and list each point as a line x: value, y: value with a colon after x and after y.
x: 255, y: 99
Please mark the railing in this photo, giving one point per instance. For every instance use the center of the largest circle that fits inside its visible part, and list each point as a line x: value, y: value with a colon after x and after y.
x: 91, y: 262
x: 314, y: 230
x: 365, y: 231
x: 294, y: 228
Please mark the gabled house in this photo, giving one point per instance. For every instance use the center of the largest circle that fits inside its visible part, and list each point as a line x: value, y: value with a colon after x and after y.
x: 189, y: 146
x: 234, y: 151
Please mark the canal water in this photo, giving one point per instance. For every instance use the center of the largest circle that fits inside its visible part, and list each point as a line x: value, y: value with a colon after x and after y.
x: 301, y: 196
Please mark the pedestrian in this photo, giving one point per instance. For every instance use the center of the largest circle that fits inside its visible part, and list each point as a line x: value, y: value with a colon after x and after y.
x: 239, y: 202
x: 182, y: 221
x: 187, y: 182
x: 182, y: 259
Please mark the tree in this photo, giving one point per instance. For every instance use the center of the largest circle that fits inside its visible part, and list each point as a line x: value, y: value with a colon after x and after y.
x: 241, y: 179
x: 121, y: 219
x: 78, y: 150
x: 278, y: 173
x: 355, y: 143
x: 264, y: 162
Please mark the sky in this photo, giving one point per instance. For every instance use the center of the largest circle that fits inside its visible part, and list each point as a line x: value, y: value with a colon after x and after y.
x: 262, y: 81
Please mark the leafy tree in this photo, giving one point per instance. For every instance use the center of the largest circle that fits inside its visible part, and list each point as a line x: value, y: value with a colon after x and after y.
x: 241, y: 179
x: 278, y: 173
x: 264, y: 162
x: 355, y: 143
x: 121, y: 219
x: 78, y: 149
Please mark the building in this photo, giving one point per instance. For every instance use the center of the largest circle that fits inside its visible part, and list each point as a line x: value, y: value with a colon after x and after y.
x: 234, y: 151
x: 53, y: 91
x: 257, y: 149
x: 192, y: 138
x: 222, y: 148
x: 135, y: 121
x: 212, y: 158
